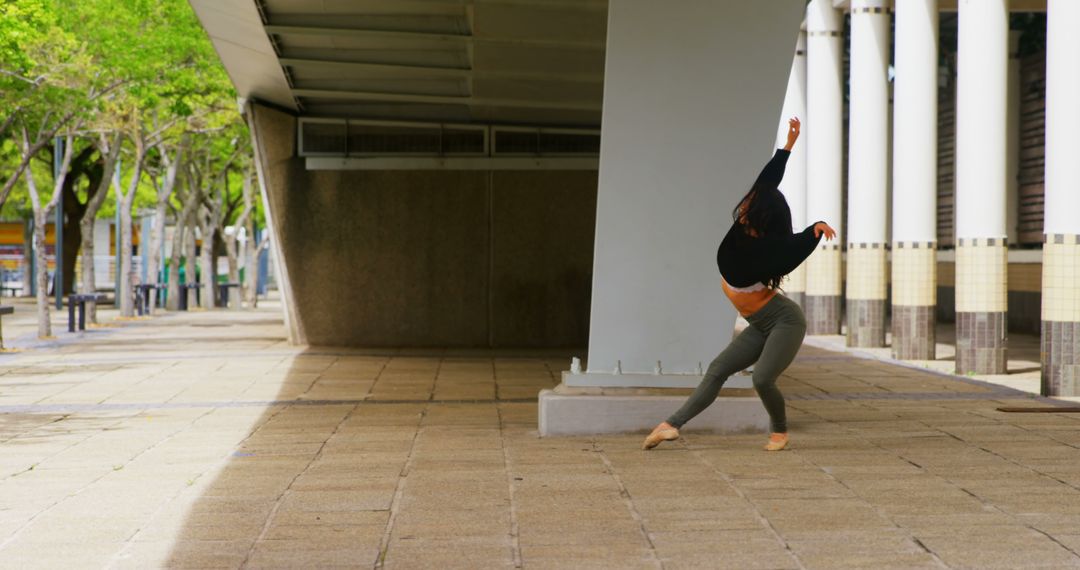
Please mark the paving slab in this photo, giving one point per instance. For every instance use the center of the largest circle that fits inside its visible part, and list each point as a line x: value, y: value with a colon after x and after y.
x: 178, y: 442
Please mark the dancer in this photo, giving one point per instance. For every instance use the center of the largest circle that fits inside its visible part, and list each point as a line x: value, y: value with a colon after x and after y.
x: 756, y: 254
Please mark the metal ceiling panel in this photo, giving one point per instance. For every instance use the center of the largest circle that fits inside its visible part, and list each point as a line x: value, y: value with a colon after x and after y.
x: 504, y: 61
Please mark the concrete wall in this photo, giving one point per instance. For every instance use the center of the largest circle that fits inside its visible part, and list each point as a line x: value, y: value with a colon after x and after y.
x: 432, y: 257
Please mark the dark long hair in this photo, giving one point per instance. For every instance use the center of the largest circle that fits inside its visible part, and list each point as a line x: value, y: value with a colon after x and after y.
x: 761, y: 213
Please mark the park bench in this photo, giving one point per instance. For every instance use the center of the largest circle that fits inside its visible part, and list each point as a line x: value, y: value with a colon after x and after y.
x: 12, y: 288
x: 81, y: 299
x: 4, y: 311
x: 142, y: 300
x: 223, y: 293
x: 184, y: 296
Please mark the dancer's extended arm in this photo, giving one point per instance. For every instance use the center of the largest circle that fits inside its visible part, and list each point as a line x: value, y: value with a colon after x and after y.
x: 773, y: 173
x: 788, y: 252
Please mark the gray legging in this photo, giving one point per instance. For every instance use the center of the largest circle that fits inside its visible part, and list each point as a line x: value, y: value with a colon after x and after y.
x: 772, y: 340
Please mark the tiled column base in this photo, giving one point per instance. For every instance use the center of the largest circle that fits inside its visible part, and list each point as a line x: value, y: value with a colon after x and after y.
x: 795, y: 286
x: 914, y: 297
x: 1061, y: 315
x: 823, y: 290
x: 913, y: 336
x: 981, y: 340
x: 866, y: 322
x: 981, y: 306
x: 866, y: 292
x: 1060, y: 358
x: 822, y: 314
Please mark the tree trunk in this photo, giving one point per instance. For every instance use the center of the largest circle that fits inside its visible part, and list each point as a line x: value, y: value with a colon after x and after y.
x: 127, y: 272
x: 42, y: 270
x: 190, y: 261
x: 206, y: 258
x: 181, y: 234
x: 28, y: 252
x: 72, y: 243
x: 41, y: 214
x: 158, y: 239
x: 237, y: 298
x: 232, y: 255
x: 86, y: 228
x: 251, y: 265
x: 154, y: 254
x: 91, y: 164
x: 172, y: 302
x: 86, y: 224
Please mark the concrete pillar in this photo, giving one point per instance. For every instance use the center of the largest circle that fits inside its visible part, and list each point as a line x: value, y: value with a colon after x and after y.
x: 824, y: 169
x: 981, y: 249
x: 1061, y: 248
x: 691, y: 97
x: 868, y: 173
x: 686, y: 128
x: 270, y: 135
x: 794, y: 184
x: 915, y: 155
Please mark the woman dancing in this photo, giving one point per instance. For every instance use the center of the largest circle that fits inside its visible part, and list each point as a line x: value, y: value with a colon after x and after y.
x: 756, y: 254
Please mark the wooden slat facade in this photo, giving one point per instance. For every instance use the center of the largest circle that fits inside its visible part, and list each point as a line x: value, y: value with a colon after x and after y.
x: 1032, y: 149
x: 946, y: 189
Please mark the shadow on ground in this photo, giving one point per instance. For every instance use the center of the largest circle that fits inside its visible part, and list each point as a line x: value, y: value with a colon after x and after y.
x: 320, y: 478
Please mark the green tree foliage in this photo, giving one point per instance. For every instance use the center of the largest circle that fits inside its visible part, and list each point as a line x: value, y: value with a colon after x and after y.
x: 142, y: 69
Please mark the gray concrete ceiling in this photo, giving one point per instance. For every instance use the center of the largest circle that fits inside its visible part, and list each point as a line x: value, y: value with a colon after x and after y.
x: 537, y: 62
x: 533, y: 62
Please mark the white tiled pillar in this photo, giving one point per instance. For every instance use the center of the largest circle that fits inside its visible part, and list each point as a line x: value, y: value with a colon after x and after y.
x: 868, y: 173
x: 915, y: 155
x: 794, y: 184
x: 824, y: 168
x: 981, y: 249
x: 1061, y: 247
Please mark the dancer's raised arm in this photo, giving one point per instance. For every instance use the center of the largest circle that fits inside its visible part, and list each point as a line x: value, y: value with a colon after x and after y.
x: 794, y: 126
x: 773, y: 173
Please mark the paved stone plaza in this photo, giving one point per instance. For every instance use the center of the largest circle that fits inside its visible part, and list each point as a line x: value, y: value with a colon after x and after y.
x: 204, y: 440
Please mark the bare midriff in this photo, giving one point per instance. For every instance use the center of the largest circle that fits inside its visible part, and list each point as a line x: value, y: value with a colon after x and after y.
x: 748, y: 300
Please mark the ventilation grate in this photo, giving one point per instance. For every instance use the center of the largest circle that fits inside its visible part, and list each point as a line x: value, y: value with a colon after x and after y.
x: 322, y: 138
x: 363, y: 138
x: 545, y: 142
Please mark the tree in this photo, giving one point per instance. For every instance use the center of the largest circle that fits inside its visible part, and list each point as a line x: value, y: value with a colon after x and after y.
x: 184, y: 215
x: 164, y: 184
x: 142, y: 78
x: 252, y: 247
x: 88, y: 170
x: 111, y: 152
x: 41, y: 216
x: 47, y: 79
x: 209, y: 220
x: 232, y: 239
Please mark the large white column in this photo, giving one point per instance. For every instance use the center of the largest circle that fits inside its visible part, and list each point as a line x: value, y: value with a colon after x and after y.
x: 915, y: 156
x: 824, y: 126
x: 981, y: 249
x: 691, y: 97
x: 1061, y: 247
x: 868, y: 173
x: 794, y: 184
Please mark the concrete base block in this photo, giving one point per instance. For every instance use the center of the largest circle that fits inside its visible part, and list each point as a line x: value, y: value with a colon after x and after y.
x: 586, y: 414
x: 608, y: 380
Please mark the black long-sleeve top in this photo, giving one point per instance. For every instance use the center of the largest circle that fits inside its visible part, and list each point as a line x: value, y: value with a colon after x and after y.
x: 744, y: 260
